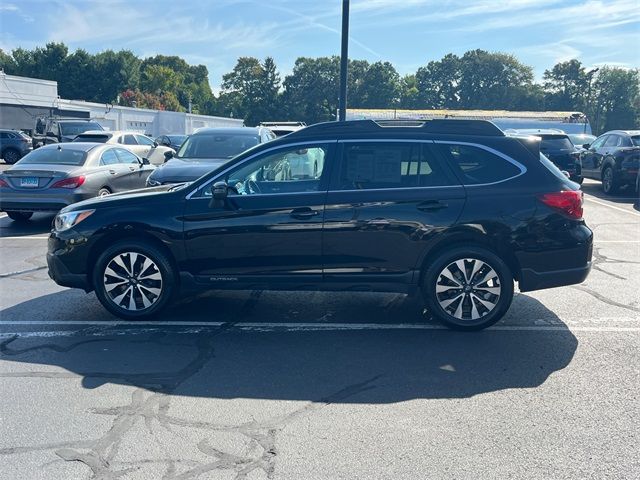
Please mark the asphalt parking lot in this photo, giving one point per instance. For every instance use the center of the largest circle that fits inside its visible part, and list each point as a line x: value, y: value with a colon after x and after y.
x: 254, y: 385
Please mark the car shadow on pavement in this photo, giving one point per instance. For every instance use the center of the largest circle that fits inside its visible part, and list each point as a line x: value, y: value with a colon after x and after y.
x: 626, y: 195
x: 345, y: 364
x: 40, y: 223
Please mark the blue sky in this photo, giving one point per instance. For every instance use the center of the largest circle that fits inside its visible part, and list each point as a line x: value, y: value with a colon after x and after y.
x: 408, y: 33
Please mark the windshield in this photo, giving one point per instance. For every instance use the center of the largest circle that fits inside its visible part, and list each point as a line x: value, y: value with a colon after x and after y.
x: 556, y: 143
x: 176, y: 139
x: 635, y: 140
x: 581, y: 139
x: 76, y: 128
x: 224, y: 145
x: 54, y: 156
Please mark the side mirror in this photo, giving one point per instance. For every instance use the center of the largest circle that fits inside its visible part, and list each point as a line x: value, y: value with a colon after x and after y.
x: 168, y: 155
x: 220, y: 190
x: 155, y: 144
x: 586, y: 146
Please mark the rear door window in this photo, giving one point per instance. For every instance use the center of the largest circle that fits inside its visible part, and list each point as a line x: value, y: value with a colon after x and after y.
x: 125, y: 156
x: 613, y: 141
x: 109, y: 157
x: 142, y: 140
x: 129, y: 140
x: 381, y: 165
x: 477, y: 166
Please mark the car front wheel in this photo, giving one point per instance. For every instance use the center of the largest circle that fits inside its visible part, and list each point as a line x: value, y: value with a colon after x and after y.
x: 133, y: 280
x: 468, y: 288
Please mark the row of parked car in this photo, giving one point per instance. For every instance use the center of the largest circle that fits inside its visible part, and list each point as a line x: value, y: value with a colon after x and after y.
x: 100, y: 162
x: 613, y: 157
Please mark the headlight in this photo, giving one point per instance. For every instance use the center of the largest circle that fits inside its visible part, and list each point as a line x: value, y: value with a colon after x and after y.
x: 152, y: 183
x: 64, y: 221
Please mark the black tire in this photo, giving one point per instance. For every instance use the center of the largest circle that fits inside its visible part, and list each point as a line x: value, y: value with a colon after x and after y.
x: 610, y: 184
x: 11, y: 156
x: 469, y: 303
x: 103, y: 192
x: 161, y: 264
x: 20, y: 216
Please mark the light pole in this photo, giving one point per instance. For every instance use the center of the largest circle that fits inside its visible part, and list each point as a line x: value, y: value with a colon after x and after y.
x: 344, y: 57
x: 590, y: 77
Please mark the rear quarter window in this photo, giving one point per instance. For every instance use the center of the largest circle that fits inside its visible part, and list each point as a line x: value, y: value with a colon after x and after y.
x: 477, y: 166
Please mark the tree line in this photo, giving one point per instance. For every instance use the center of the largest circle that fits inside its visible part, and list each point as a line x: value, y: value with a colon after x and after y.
x: 255, y: 90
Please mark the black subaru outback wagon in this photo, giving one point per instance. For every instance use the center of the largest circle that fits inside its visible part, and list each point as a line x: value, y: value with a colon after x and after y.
x: 453, y: 209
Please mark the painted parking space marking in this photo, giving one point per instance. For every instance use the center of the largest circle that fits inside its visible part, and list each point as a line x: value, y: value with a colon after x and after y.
x: 24, y: 238
x: 195, y: 327
x: 589, y: 199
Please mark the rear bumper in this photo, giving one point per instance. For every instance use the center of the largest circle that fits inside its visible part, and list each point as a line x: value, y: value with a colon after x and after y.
x: 42, y: 202
x: 532, y: 280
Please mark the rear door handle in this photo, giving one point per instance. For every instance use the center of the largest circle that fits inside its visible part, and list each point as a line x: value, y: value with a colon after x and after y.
x: 431, y: 206
x: 304, y: 212
x: 112, y: 172
x: 132, y: 168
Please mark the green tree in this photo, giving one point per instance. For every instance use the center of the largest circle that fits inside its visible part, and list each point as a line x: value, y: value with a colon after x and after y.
x: 617, y: 99
x: 380, y: 86
x: 438, y: 83
x: 159, y: 79
x: 409, y: 93
x: 250, y: 91
x: 115, y: 72
x: 7, y: 63
x: 311, y: 91
x: 566, y: 86
x: 491, y: 80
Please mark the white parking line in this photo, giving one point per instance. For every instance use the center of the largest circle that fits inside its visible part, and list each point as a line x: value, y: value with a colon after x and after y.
x: 588, y: 199
x: 258, y: 326
x: 24, y: 238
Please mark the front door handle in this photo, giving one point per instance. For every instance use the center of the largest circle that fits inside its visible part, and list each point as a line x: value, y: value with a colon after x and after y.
x: 431, y: 206
x: 132, y: 168
x: 303, y: 213
x: 112, y: 172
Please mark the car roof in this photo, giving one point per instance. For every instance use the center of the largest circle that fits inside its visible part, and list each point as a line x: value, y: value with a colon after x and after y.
x: 537, y: 131
x: 624, y: 132
x: 229, y: 130
x: 111, y: 132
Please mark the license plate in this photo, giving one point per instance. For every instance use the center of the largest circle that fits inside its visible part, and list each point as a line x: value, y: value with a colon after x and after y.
x: 30, y: 182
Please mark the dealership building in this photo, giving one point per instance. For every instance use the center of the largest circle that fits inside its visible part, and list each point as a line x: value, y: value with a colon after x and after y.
x: 23, y: 100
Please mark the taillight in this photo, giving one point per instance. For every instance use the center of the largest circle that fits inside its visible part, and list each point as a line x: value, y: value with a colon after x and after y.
x: 3, y: 183
x: 73, y: 182
x: 568, y: 202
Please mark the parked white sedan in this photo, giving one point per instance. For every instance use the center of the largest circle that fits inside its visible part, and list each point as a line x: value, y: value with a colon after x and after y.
x: 139, y: 144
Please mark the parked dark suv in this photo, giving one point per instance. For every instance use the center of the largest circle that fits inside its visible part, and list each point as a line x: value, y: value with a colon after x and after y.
x: 450, y: 208
x: 14, y: 145
x: 613, y: 158
x: 557, y: 147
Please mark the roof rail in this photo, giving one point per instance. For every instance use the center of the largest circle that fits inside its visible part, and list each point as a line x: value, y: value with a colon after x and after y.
x: 448, y: 126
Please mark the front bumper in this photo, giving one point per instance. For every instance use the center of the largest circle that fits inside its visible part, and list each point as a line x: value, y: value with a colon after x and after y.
x: 59, y: 273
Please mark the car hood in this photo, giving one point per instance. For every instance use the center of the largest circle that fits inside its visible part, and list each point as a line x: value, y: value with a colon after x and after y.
x: 144, y: 196
x: 177, y: 170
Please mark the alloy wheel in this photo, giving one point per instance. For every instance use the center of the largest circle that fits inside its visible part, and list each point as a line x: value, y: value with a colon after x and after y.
x: 132, y: 281
x: 607, y: 181
x: 468, y: 289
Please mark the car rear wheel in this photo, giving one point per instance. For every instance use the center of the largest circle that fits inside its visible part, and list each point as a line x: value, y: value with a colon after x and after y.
x: 609, y: 182
x: 11, y: 156
x: 468, y: 288
x: 133, y: 280
x: 103, y: 192
x: 20, y: 216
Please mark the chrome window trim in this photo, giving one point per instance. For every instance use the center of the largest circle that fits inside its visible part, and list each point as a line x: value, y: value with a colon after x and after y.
x: 521, y: 167
x: 393, y: 189
x: 384, y: 140
x: 248, y: 159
